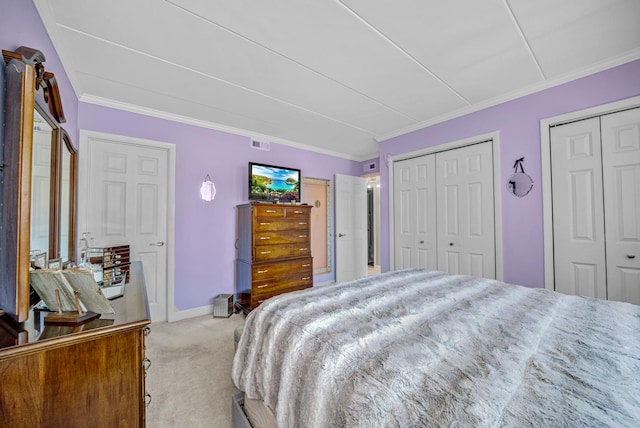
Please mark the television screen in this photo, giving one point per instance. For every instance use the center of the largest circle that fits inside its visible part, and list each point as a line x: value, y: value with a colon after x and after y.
x: 269, y: 183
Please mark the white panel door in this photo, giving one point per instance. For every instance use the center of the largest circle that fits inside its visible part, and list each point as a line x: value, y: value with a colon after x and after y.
x: 465, y: 211
x: 578, y: 216
x: 351, y: 227
x: 126, y: 202
x: 415, y: 239
x: 621, y: 178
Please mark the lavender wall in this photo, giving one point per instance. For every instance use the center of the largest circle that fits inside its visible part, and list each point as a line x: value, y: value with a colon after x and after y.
x: 518, y: 123
x: 22, y: 26
x: 205, y: 231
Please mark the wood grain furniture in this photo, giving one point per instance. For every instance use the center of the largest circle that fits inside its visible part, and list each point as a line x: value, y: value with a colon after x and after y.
x: 32, y: 107
x: 274, y: 252
x: 91, y: 375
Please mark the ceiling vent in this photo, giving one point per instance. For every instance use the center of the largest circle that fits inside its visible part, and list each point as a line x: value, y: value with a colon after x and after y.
x: 260, y: 145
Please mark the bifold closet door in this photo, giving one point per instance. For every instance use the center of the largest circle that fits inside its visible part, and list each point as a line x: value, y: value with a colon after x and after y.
x: 621, y: 179
x: 578, y: 211
x: 414, y: 183
x: 595, y: 170
x: 465, y: 211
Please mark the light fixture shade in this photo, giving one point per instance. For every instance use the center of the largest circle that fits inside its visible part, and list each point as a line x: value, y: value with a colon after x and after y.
x: 208, y: 190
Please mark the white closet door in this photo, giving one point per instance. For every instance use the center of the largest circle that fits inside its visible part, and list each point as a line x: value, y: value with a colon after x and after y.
x: 621, y: 178
x: 465, y: 211
x: 578, y: 217
x: 414, y: 183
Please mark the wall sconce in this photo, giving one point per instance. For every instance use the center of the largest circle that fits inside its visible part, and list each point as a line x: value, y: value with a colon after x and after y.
x: 208, y: 189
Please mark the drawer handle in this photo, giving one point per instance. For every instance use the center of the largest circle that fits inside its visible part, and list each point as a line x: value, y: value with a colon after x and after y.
x: 298, y: 212
x: 265, y: 237
x: 264, y: 224
x: 265, y: 252
x: 302, y: 222
x: 262, y: 286
x: 260, y: 301
x: 146, y: 363
x: 306, y: 277
x: 303, y: 249
x: 270, y: 211
x: 302, y: 236
x: 263, y: 271
x: 307, y: 265
x: 147, y: 399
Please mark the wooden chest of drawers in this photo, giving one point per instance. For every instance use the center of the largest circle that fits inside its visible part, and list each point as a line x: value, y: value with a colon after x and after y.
x: 274, y: 252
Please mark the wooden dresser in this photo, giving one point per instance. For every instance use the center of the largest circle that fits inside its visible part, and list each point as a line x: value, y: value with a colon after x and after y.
x: 274, y: 252
x: 92, y: 375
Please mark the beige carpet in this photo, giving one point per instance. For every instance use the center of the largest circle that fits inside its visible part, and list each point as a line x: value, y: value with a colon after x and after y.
x: 190, y: 375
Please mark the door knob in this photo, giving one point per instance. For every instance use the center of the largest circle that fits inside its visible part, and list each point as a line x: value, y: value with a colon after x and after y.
x: 340, y: 235
x: 156, y: 244
x: 631, y: 256
x: 451, y: 244
x: 422, y: 242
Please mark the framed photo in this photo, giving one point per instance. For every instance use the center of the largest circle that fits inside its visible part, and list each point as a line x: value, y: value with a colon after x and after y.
x: 39, y: 260
x: 55, y: 263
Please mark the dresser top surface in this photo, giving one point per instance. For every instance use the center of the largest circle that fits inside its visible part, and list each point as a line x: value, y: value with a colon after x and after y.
x: 130, y: 309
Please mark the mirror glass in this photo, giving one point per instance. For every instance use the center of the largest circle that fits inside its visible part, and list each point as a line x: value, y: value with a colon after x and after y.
x: 67, y: 199
x: 41, y: 185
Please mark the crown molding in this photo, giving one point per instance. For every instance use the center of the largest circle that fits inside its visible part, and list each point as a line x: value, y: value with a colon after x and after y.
x: 602, y: 66
x: 159, y: 114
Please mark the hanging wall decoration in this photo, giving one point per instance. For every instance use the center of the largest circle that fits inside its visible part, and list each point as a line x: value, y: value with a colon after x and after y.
x: 520, y: 184
x: 208, y: 189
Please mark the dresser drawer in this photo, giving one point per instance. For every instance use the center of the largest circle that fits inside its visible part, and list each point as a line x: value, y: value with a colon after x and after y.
x: 257, y: 299
x: 268, y: 223
x: 282, y: 284
x: 281, y: 269
x: 296, y: 212
x: 270, y: 252
x: 281, y: 237
x: 270, y: 211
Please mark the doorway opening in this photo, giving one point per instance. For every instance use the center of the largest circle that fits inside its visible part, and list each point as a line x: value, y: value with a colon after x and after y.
x: 373, y: 225
x: 317, y: 193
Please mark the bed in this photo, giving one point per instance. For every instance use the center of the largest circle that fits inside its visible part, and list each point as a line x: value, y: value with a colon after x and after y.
x: 424, y: 348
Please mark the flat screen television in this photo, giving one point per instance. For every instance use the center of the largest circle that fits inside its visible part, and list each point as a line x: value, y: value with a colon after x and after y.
x: 270, y: 183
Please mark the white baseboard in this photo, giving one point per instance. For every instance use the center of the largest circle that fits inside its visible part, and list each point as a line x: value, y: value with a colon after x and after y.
x: 190, y: 313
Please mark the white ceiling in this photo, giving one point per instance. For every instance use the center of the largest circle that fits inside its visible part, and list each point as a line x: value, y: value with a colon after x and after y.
x: 335, y: 76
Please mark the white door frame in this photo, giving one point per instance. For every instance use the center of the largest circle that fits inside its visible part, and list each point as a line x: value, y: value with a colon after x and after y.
x: 83, y: 166
x: 497, y: 194
x: 545, y: 150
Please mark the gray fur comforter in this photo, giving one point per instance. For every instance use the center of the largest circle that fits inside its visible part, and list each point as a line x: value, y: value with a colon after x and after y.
x: 423, y: 348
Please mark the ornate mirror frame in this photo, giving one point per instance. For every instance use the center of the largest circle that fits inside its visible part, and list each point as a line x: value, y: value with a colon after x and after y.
x: 29, y: 87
